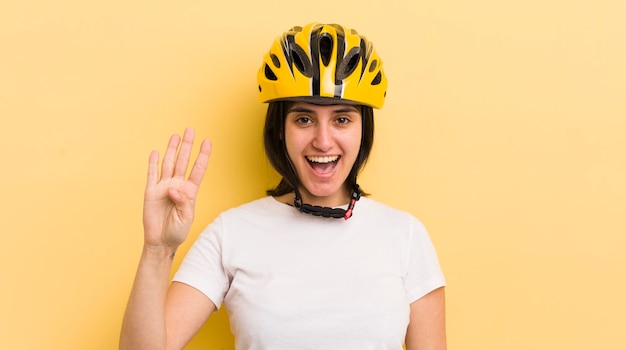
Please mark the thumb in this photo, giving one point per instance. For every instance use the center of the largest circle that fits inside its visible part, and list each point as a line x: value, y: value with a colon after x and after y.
x: 182, y: 203
x: 175, y: 196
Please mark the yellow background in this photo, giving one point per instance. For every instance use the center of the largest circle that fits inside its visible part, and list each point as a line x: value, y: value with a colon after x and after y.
x: 503, y: 131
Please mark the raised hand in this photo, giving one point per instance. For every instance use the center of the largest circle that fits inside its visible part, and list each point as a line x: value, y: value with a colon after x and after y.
x: 169, y: 201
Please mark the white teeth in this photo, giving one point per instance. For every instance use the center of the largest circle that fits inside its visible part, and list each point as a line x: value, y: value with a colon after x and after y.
x: 326, y: 159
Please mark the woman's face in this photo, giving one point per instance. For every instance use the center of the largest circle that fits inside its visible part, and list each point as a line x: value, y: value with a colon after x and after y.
x: 323, y: 142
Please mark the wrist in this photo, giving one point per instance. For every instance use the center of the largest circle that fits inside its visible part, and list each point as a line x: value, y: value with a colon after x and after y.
x: 159, y: 252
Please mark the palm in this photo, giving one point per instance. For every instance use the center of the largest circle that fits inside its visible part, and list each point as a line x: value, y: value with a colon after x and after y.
x: 169, y: 202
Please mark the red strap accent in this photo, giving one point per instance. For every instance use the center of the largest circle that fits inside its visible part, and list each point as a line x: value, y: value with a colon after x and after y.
x: 348, y: 214
x: 350, y: 207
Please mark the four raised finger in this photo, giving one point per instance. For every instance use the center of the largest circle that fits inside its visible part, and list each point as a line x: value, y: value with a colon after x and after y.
x: 184, y: 153
x: 169, y: 159
x: 153, y: 168
x: 201, y: 163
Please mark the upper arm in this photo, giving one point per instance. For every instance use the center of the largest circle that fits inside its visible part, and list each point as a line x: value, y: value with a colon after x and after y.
x: 186, y: 311
x: 427, y: 324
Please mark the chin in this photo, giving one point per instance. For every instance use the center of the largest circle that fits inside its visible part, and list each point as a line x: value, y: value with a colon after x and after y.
x: 325, y: 192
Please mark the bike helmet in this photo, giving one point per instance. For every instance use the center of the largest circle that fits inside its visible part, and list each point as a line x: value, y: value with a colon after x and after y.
x: 322, y: 63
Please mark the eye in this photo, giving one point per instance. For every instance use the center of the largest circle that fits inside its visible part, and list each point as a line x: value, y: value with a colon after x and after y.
x: 342, y: 120
x: 303, y: 119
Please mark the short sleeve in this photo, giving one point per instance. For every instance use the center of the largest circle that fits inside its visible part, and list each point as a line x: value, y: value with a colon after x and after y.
x: 423, y: 272
x: 202, y: 267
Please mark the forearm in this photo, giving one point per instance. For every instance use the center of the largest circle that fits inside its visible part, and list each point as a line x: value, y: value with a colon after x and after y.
x: 144, y: 321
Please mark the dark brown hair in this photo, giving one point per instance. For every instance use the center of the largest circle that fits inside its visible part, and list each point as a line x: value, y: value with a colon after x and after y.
x: 275, y: 149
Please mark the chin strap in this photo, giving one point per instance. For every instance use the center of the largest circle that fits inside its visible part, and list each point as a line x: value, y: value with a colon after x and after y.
x: 328, y: 212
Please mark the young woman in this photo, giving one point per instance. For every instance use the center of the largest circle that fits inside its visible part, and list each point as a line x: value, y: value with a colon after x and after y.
x: 314, y: 265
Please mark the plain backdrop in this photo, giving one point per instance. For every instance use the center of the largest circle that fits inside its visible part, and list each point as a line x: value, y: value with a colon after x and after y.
x: 503, y: 131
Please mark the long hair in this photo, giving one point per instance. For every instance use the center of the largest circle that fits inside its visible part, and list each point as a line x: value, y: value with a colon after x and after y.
x: 276, y: 151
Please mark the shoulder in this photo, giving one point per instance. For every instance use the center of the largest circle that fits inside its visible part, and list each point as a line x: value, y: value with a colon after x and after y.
x: 374, y: 213
x: 371, y: 208
x: 257, y: 206
x: 256, y: 212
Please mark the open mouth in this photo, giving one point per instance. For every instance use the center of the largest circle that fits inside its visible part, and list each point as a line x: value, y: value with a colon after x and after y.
x: 324, y: 164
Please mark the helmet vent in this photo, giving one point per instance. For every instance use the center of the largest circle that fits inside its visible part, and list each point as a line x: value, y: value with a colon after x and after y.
x: 326, y: 48
x: 372, y: 65
x: 349, y: 63
x: 301, y: 60
x: 377, y: 79
x: 275, y: 60
x: 269, y: 74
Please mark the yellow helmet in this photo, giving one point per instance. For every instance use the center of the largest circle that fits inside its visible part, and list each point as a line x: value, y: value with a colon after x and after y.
x: 322, y: 63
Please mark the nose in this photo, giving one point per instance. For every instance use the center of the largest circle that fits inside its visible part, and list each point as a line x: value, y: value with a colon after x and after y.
x: 322, y: 139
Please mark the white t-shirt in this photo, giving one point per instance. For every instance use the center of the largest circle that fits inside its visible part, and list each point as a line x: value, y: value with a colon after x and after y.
x: 295, y: 281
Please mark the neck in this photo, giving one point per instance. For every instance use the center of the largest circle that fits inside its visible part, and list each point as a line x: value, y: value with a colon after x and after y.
x: 339, y: 198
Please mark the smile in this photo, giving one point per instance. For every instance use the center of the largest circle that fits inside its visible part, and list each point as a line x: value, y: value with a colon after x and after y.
x: 323, y: 160
x: 323, y: 166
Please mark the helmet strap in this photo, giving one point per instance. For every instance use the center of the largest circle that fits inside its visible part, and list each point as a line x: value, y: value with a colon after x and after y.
x: 327, y: 212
